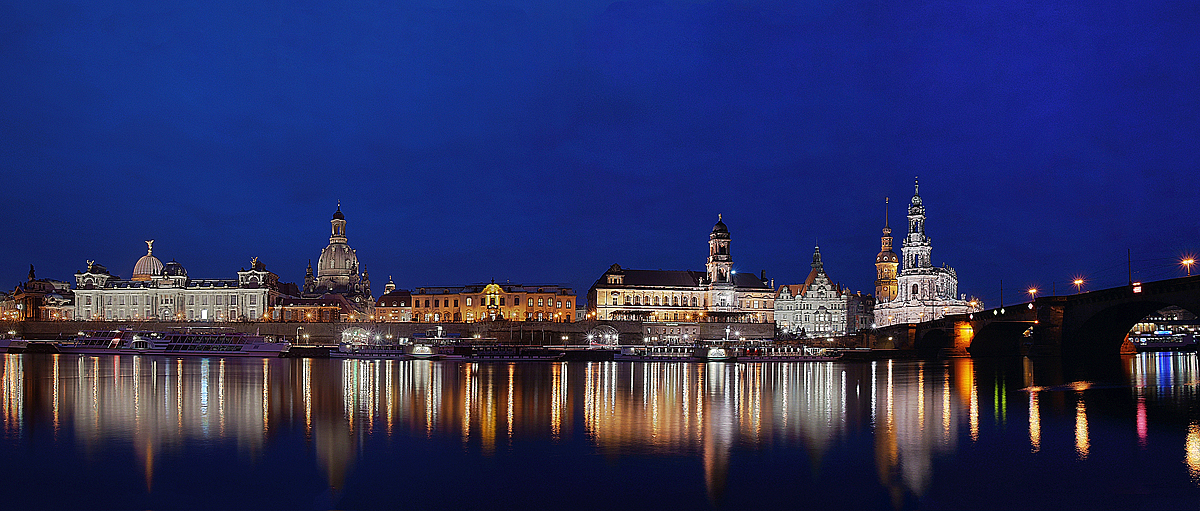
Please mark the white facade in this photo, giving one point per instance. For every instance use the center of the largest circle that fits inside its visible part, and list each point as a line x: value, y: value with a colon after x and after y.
x: 924, y: 292
x: 817, y: 308
x: 684, y: 297
x: 164, y: 292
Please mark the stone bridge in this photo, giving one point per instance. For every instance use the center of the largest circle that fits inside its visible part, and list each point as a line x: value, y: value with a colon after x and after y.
x: 1094, y: 322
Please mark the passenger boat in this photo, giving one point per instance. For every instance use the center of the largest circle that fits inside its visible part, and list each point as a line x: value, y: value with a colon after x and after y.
x: 9, y: 345
x: 395, y: 351
x: 688, y: 353
x: 1163, y: 340
x: 203, y: 342
x: 771, y: 353
x: 479, y: 352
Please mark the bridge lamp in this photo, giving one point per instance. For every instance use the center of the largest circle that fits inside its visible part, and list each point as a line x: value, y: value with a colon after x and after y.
x: 1078, y: 284
x: 1032, y: 293
x: 1187, y: 263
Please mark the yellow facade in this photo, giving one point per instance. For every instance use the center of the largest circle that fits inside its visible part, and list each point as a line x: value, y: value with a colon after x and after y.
x: 493, y: 302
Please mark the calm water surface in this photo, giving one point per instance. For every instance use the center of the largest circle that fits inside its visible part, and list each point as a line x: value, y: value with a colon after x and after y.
x: 161, y: 432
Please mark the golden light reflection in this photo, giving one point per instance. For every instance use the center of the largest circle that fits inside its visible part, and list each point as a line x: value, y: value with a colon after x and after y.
x: 1082, y: 445
x: 1035, y: 423
x: 1191, y: 452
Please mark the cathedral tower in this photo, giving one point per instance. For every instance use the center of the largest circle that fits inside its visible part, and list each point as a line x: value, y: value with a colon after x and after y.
x: 885, y: 263
x: 916, y: 248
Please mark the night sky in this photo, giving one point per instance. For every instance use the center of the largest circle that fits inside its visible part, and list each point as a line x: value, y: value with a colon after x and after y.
x: 542, y: 141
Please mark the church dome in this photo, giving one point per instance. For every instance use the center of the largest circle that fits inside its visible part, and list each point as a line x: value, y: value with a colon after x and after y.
x: 886, y: 256
x: 174, y: 269
x: 720, y: 226
x: 148, y: 266
x: 337, y: 215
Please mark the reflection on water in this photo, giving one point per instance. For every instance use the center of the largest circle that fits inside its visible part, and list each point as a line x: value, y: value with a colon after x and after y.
x: 915, y: 413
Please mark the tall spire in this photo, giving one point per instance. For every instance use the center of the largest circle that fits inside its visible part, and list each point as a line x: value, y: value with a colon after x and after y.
x: 916, y: 185
x: 885, y: 212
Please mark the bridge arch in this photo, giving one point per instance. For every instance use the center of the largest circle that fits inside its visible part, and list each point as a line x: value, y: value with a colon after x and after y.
x: 934, y: 341
x: 999, y: 338
x: 1103, y: 330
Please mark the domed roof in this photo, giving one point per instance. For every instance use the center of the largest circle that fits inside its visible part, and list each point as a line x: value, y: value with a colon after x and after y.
x: 720, y: 226
x: 174, y: 269
x: 886, y: 256
x: 337, y: 215
x: 148, y: 266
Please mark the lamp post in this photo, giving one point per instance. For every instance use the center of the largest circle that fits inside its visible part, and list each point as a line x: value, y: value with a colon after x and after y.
x: 1187, y: 263
x: 298, y: 329
x: 1078, y: 284
x: 1032, y: 294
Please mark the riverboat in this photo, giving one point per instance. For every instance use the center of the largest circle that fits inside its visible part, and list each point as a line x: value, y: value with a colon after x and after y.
x: 783, y: 354
x: 12, y: 345
x: 395, y: 351
x: 487, y: 352
x: 191, y: 342
x: 687, y: 353
x: 1163, y: 340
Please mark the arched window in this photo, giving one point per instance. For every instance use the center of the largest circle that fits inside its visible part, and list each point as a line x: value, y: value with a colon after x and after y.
x: 914, y: 293
x: 693, y: 301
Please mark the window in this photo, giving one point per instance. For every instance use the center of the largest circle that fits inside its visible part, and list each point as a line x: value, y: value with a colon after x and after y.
x: 568, y: 304
x: 253, y: 315
x: 540, y: 302
x: 501, y: 300
x: 204, y: 300
x: 89, y: 302
x: 531, y: 302
x: 559, y: 305
x: 191, y: 300
x: 435, y: 303
x: 468, y: 301
x: 232, y: 299
x: 110, y: 300
x: 218, y: 298
x: 914, y: 290
x: 456, y: 302
x: 426, y: 304
x: 253, y: 300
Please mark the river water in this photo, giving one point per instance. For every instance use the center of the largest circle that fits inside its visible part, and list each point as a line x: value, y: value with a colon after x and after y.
x: 163, y: 432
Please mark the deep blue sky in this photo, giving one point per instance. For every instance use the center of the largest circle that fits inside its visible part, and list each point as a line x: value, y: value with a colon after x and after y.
x: 542, y: 141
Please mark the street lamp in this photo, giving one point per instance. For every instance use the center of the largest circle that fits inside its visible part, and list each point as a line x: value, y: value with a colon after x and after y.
x: 1078, y: 282
x: 1032, y: 293
x: 1187, y: 263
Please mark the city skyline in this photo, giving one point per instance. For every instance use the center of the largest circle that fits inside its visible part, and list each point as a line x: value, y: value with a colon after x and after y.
x: 469, y: 142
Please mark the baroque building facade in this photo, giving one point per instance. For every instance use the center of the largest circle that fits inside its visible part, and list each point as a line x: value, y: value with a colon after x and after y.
x: 719, y: 294
x: 493, y: 302
x: 819, y: 307
x: 924, y: 292
x: 165, y: 292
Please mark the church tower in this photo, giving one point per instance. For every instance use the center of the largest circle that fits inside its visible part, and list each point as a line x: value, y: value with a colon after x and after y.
x: 720, y: 263
x: 886, y: 263
x: 916, y: 248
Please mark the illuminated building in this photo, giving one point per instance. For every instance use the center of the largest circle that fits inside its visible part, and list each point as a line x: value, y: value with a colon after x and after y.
x: 818, y: 307
x: 337, y: 270
x: 40, y: 300
x: 165, y: 292
x: 719, y: 294
x: 328, y: 308
x: 394, y: 304
x: 924, y: 292
x: 492, y: 302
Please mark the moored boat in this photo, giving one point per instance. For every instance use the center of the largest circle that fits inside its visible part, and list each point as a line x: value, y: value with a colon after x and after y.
x: 12, y: 345
x: 770, y: 353
x: 191, y: 342
x: 1163, y: 340
x: 688, y: 353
